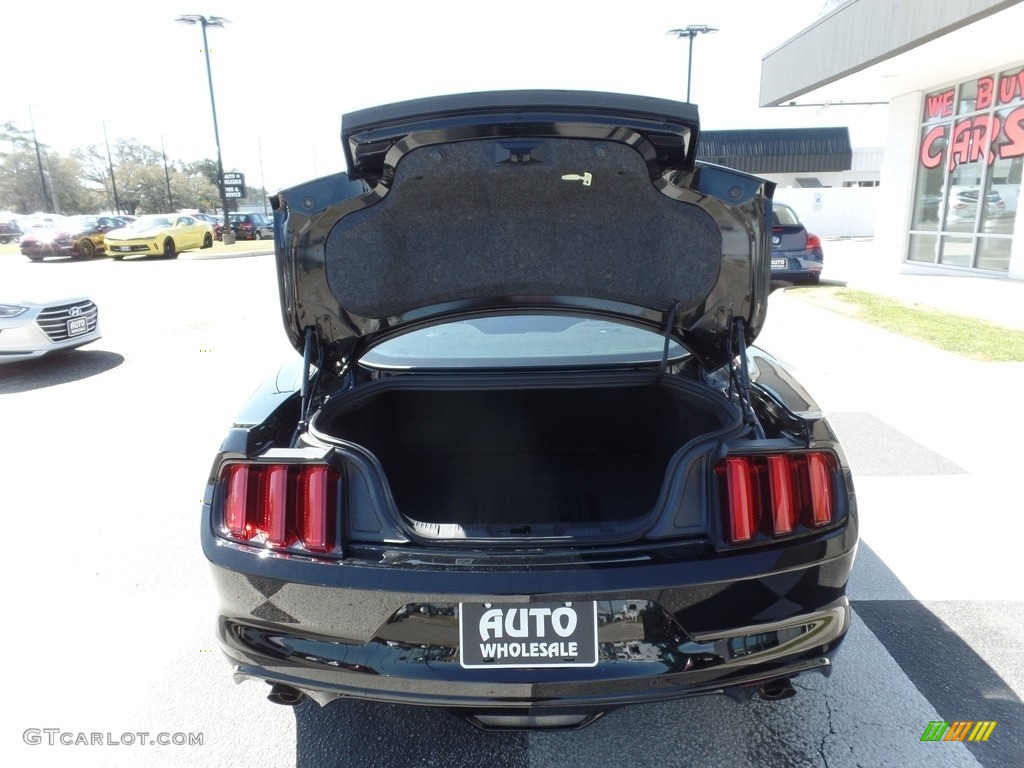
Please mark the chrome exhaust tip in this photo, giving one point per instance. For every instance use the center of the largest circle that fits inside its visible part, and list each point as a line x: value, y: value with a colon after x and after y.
x: 776, y: 690
x: 285, y: 695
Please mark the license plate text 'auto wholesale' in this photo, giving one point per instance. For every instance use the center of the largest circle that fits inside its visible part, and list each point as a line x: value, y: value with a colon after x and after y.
x: 530, y: 635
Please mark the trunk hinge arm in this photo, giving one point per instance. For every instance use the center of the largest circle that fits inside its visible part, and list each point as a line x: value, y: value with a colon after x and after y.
x: 306, y: 391
x: 670, y: 322
x: 740, y: 376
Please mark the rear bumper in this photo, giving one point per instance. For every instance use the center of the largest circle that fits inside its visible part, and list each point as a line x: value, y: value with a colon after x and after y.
x: 685, y: 635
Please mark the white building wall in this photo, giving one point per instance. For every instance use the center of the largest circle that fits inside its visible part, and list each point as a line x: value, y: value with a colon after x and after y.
x: 899, y: 173
x: 834, y: 211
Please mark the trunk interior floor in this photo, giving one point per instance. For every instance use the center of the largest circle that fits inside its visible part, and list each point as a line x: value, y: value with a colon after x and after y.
x: 518, y: 490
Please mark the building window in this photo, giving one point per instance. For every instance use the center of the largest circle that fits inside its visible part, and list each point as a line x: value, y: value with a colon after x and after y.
x: 969, y: 166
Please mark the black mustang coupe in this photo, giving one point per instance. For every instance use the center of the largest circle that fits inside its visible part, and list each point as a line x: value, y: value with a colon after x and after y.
x: 530, y: 467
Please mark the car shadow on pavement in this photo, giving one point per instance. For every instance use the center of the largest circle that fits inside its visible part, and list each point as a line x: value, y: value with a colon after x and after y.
x: 71, y: 259
x: 56, y: 368
x: 359, y: 734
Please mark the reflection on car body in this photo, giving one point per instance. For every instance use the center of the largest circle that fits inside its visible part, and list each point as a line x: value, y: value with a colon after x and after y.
x: 521, y: 471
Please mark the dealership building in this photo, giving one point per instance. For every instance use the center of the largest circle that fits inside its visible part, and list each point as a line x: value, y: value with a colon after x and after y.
x: 952, y: 73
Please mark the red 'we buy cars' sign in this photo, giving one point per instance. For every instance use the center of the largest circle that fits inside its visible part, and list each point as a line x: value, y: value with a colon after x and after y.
x: 985, y: 137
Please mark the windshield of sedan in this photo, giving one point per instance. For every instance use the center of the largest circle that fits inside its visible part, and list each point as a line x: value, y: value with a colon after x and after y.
x: 148, y: 222
x: 522, y: 341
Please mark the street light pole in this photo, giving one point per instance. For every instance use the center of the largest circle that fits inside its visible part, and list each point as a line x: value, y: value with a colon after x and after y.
x: 110, y: 165
x: 167, y: 176
x: 39, y: 160
x: 689, y: 33
x: 263, y: 182
x: 213, y: 21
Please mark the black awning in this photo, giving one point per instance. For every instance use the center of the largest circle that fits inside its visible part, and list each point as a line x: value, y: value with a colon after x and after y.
x: 778, y: 150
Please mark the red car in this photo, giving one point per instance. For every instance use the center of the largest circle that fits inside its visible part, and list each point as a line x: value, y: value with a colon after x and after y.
x: 80, y: 237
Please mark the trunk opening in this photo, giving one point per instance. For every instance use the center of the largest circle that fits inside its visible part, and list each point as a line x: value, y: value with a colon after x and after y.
x: 586, y: 461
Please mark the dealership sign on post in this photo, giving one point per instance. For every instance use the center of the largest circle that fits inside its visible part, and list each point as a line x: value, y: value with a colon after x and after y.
x: 234, y: 185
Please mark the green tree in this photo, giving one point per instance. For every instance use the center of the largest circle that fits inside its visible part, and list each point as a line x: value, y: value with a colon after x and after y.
x: 22, y: 192
x: 194, y: 188
x: 139, y: 173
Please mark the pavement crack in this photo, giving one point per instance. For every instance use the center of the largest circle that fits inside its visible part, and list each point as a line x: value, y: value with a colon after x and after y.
x: 825, y: 737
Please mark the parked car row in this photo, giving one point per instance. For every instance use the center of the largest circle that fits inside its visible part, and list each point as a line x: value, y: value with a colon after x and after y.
x: 83, y: 237
x: 247, y: 226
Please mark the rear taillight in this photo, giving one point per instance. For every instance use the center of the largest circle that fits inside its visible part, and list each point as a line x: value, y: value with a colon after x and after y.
x: 813, y: 241
x: 777, y: 495
x: 279, y: 506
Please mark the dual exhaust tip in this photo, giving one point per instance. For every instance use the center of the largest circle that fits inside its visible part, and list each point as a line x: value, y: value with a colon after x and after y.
x: 777, y: 690
x: 285, y: 695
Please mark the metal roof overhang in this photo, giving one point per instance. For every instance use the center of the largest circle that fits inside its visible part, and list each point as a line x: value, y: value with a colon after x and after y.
x: 778, y: 150
x: 868, y: 51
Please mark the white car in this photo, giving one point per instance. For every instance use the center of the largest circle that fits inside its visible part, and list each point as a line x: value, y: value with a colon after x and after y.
x: 29, y: 330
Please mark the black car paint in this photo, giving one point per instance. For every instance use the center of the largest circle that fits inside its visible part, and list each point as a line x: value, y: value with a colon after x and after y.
x: 350, y: 624
x: 373, y: 139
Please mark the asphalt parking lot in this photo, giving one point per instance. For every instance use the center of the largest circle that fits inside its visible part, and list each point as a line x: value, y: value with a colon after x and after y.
x: 105, y: 452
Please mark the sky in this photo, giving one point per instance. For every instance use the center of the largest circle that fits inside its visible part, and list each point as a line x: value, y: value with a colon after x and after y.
x: 284, y: 73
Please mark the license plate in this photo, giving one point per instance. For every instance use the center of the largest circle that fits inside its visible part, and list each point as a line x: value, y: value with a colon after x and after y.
x: 780, y: 263
x: 523, y: 636
x: 77, y: 325
x: 122, y: 248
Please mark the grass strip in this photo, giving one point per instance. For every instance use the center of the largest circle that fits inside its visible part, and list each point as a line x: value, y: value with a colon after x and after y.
x: 967, y: 336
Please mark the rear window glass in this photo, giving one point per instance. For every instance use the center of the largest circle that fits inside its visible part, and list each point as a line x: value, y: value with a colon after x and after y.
x: 522, y: 341
x: 784, y: 216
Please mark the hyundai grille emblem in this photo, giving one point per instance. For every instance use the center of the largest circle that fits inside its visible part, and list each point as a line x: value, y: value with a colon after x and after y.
x: 75, y: 311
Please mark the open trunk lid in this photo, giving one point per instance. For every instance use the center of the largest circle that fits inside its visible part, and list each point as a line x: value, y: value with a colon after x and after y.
x: 532, y: 201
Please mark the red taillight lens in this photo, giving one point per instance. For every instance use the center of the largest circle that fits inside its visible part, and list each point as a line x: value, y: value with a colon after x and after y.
x: 780, y: 481
x: 236, y: 502
x: 743, y: 507
x: 315, y: 510
x: 272, y: 505
x: 813, y: 241
x: 281, y: 505
x: 776, y: 495
x: 820, y: 478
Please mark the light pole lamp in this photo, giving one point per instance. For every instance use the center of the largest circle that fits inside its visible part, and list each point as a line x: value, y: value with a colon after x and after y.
x: 689, y: 33
x: 213, y: 21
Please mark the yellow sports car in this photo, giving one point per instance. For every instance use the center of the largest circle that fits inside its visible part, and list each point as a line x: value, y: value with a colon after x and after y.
x: 162, y: 233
